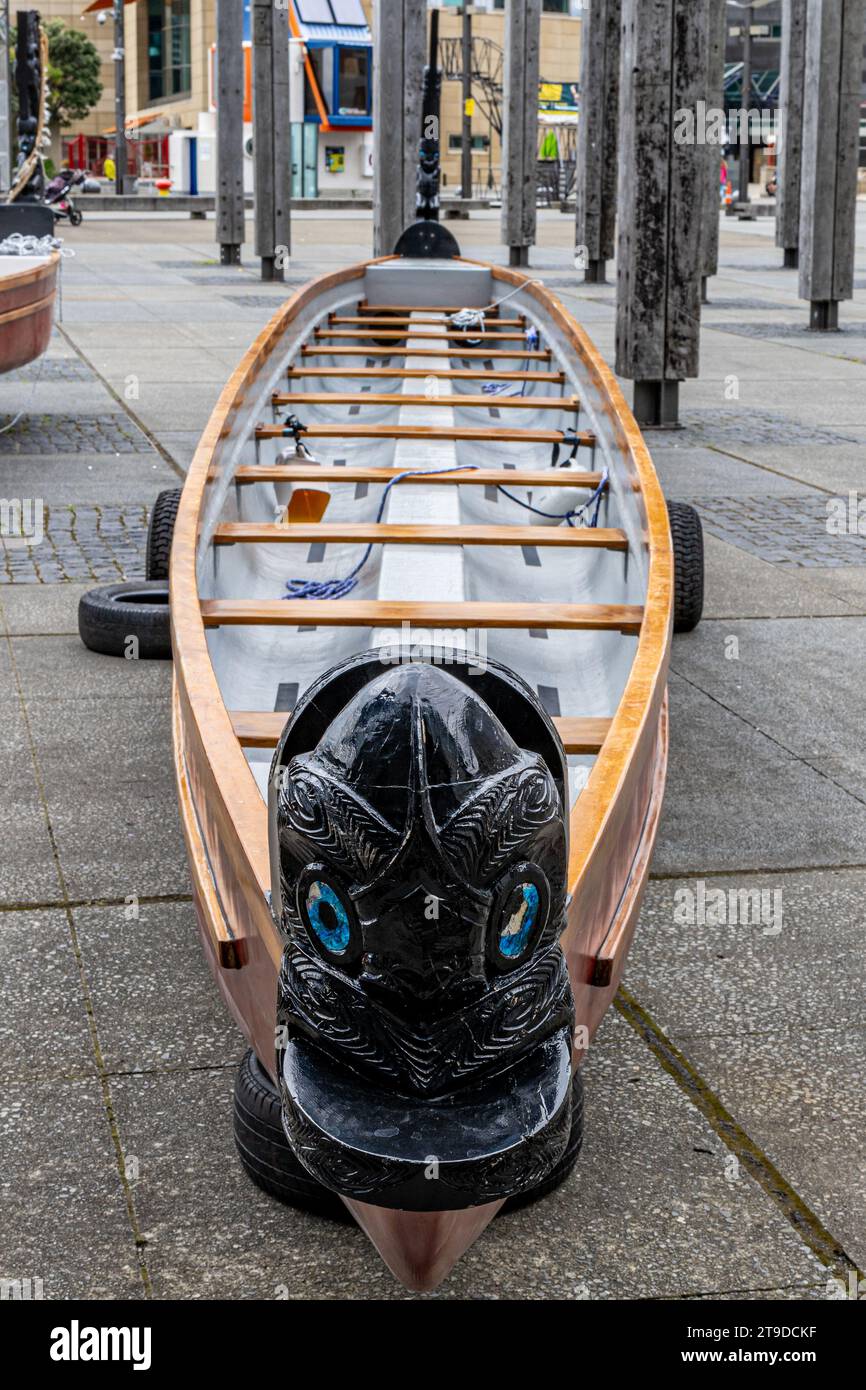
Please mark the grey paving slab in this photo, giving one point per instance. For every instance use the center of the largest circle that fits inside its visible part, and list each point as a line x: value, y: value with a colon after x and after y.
x: 27, y: 868
x: 835, y: 470
x: 731, y: 790
x: 64, y: 1213
x: 44, y: 1031
x: 88, y: 479
x: 177, y: 406
x: 60, y: 668
x: 689, y: 471
x: 110, y: 790
x: 155, y: 1003
x: 801, y: 682
x: 41, y: 609
x: 180, y: 444
x: 741, y: 585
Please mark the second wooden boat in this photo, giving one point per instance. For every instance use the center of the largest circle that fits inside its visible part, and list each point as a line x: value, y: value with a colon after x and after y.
x: 422, y: 592
x: 28, y: 285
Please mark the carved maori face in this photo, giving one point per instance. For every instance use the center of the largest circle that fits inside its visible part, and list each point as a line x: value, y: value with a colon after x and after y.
x: 424, y: 1002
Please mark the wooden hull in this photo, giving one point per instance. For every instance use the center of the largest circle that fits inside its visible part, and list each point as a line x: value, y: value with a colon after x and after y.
x: 26, y: 308
x: 613, y: 821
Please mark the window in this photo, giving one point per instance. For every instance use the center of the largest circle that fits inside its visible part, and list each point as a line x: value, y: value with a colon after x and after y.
x: 353, y: 81
x: 317, y: 60
x: 479, y: 142
x: 169, y: 70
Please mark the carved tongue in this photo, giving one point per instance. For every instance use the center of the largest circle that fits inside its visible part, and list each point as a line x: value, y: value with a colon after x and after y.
x: 421, y: 1247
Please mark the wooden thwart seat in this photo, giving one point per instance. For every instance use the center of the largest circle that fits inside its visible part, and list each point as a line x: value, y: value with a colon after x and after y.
x: 505, y: 434
x: 403, y: 335
x: 580, y: 617
x: 290, y: 398
x: 294, y: 533
x: 487, y: 477
x: 262, y: 729
x: 337, y: 350
x: 395, y: 320
x: 451, y: 373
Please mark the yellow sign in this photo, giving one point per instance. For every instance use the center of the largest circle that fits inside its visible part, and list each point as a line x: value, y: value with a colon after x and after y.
x: 109, y: 169
x: 469, y: 106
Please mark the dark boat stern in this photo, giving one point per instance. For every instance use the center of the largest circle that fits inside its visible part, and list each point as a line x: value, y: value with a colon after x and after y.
x: 418, y: 852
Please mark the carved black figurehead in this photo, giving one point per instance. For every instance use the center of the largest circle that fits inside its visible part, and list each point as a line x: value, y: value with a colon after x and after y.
x: 418, y: 852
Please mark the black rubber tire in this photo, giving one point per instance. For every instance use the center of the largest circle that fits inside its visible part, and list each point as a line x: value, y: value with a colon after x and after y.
x: 110, y: 615
x: 267, y: 1157
x: 688, y: 539
x: 160, y: 533
x: 75, y: 217
x: 264, y: 1150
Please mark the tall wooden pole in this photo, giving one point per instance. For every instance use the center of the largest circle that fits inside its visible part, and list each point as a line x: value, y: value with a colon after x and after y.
x: 790, y: 131
x: 230, y: 131
x: 831, y: 139
x: 662, y: 181
x: 716, y: 41
x: 520, y: 127
x: 120, y: 169
x: 466, y: 137
x: 597, y: 148
x: 5, y: 101
x: 400, y: 27
x: 272, y: 155
x: 746, y: 103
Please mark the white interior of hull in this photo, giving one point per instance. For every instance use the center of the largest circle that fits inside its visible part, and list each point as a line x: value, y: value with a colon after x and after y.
x: 574, y: 673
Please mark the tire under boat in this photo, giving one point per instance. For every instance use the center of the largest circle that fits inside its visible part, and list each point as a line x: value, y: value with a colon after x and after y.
x: 581, y: 615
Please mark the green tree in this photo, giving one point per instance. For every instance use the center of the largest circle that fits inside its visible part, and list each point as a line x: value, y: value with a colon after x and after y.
x: 74, y: 87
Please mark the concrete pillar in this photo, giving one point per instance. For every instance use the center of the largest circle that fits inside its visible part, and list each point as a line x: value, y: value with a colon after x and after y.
x: 662, y: 182
x: 520, y: 126
x: 230, y: 131
x: 831, y: 137
x: 717, y: 34
x: 400, y: 29
x: 597, y: 155
x: 272, y: 145
x: 790, y: 131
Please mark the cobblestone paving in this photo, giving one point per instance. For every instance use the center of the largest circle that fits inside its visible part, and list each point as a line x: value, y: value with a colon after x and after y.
x: 74, y: 434
x: 258, y: 301
x: 782, y: 530
x: 103, y: 543
x: 733, y: 425
x: 53, y: 369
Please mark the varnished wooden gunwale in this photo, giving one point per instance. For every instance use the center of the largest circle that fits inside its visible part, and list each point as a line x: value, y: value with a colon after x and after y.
x: 450, y: 373
x: 609, y: 819
x: 394, y: 398
x: 477, y: 477
x: 524, y: 354
x: 577, y: 617
x: 383, y: 533
x: 502, y: 434
x: 262, y: 729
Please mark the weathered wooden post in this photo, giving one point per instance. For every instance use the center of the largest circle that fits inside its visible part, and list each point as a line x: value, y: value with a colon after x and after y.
x: 272, y: 152
x: 745, y: 175
x: 790, y: 132
x: 662, y: 182
x: 400, y: 28
x: 717, y: 34
x: 597, y: 157
x: 831, y: 137
x: 466, y: 125
x: 230, y: 131
x: 520, y: 127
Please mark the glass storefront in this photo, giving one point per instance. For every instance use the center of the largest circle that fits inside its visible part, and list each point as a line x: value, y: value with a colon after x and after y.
x: 169, y: 68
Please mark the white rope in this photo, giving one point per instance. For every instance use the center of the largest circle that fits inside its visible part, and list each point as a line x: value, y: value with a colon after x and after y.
x: 16, y: 244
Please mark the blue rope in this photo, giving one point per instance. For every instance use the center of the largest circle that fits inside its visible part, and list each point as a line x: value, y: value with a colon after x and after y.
x: 564, y: 516
x: 338, y: 588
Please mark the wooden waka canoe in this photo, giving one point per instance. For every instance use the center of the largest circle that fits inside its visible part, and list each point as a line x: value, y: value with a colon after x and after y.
x: 27, y: 288
x: 419, y: 815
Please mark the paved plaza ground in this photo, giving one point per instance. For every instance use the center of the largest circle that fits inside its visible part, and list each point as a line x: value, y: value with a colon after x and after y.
x: 724, y: 1154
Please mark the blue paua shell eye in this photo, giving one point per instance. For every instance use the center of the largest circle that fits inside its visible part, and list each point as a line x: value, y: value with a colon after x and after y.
x: 328, y: 917
x: 518, y: 926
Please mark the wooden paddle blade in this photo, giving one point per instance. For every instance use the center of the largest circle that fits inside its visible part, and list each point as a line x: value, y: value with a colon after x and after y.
x: 307, y: 505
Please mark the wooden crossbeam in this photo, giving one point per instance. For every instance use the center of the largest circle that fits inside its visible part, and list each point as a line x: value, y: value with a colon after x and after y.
x: 451, y: 373
x: 332, y: 473
x: 396, y: 319
x: 395, y: 398
x: 502, y: 434
x: 337, y: 350
x: 294, y: 533
x: 453, y: 335
x: 364, y: 307
x: 578, y: 617
x: 262, y: 729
